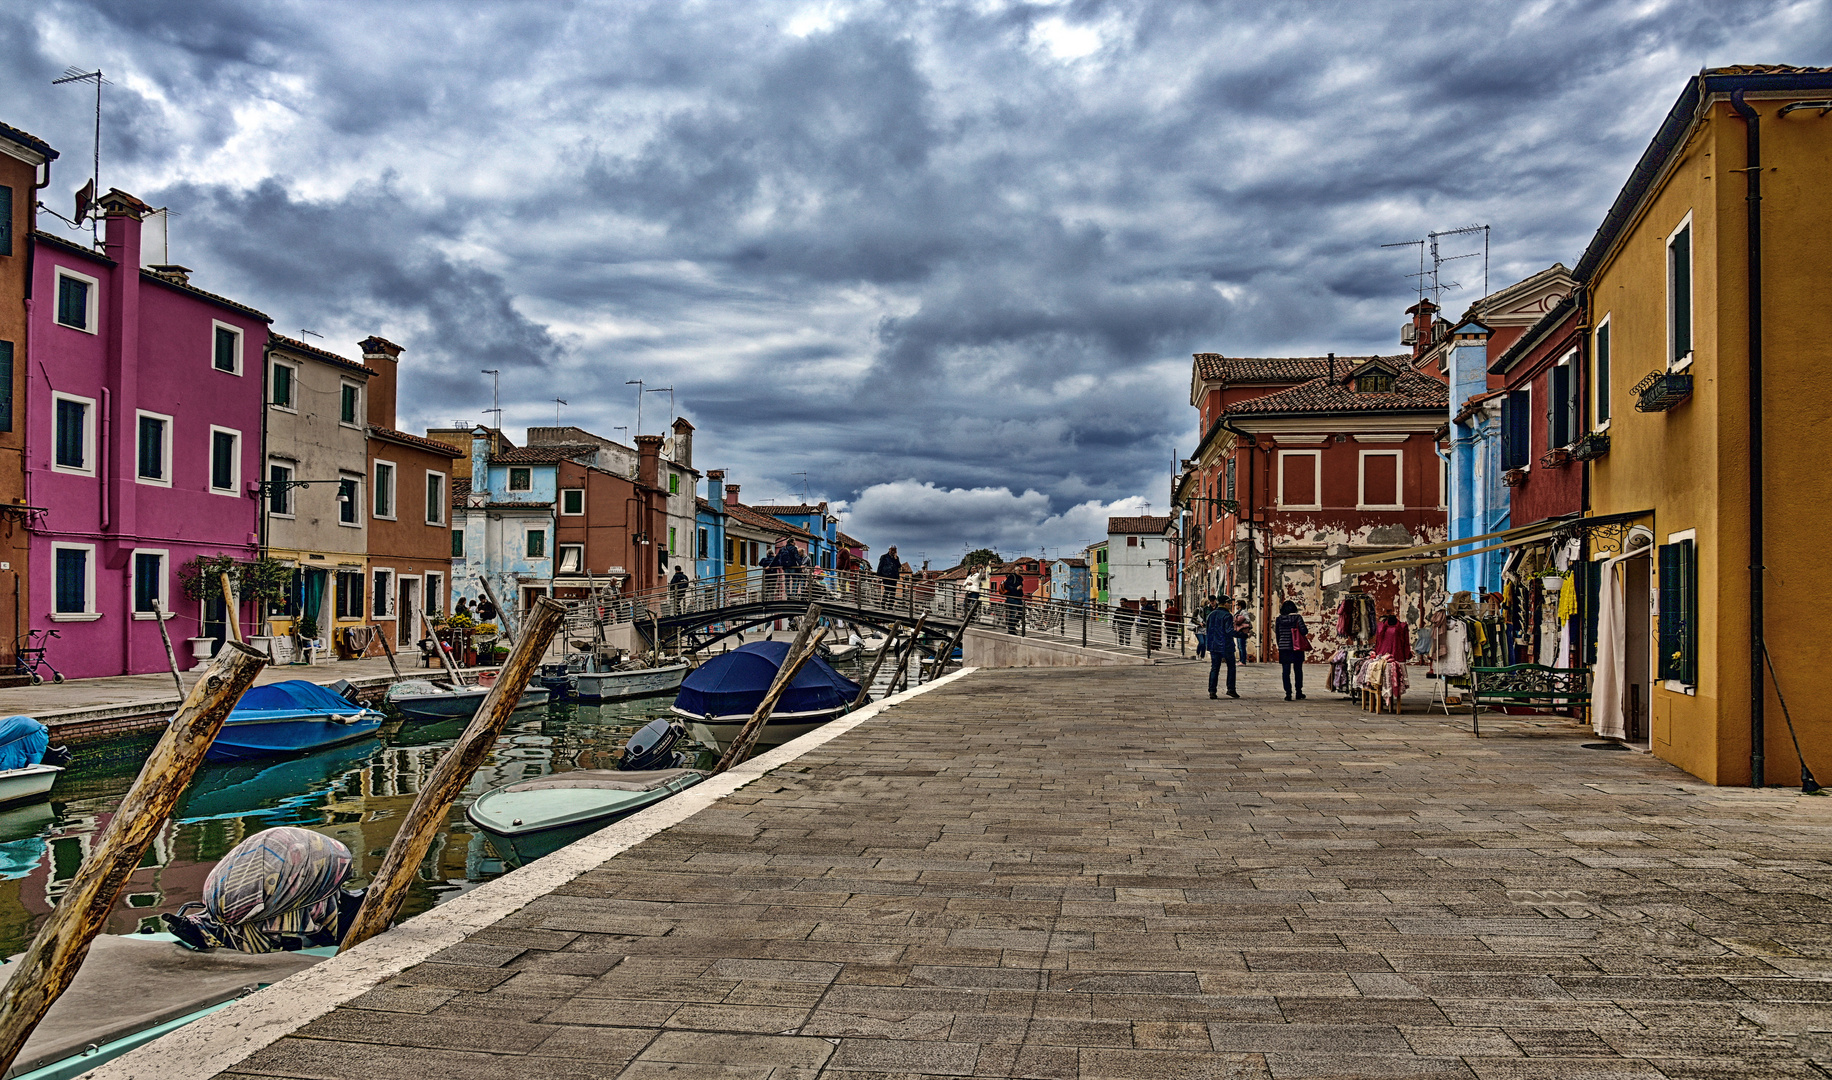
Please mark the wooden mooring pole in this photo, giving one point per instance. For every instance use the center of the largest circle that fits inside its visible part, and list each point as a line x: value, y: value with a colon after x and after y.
x: 62, y: 942
x: 890, y: 643
x: 170, y: 657
x: 451, y: 774
x: 901, y: 675
x: 947, y: 654
x: 806, y: 641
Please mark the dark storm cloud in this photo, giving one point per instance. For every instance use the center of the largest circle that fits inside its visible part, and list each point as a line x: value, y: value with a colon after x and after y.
x: 947, y: 259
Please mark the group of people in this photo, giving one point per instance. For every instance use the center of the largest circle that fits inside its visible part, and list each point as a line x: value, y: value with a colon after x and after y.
x: 1224, y: 637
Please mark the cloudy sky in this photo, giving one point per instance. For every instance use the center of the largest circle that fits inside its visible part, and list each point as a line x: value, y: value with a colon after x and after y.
x: 943, y: 264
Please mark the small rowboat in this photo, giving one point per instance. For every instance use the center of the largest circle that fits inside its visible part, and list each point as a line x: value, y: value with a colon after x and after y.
x: 291, y: 717
x: 538, y: 817
x: 421, y: 700
x: 618, y: 685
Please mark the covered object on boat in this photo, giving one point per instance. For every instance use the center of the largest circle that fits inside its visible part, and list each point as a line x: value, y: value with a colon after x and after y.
x: 291, y: 698
x: 23, y: 742
x: 734, y: 682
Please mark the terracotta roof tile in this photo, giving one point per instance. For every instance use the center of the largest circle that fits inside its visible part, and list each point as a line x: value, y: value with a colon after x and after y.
x: 757, y: 519
x: 461, y: 491
x: 428, y: 445
x: 1413, y: 391
x: 540, y: 455
x: 1148, y: 524
x: 29, y: 141
x: 295, y: 345
x: 1292, y: 369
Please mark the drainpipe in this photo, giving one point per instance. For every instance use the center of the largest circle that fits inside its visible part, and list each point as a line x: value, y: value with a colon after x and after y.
x: 1252, y: 441
x: 1758, y: 691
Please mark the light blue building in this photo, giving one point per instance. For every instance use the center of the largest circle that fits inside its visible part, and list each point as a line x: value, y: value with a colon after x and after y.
x: 709, y: 529
x: 1069, y: 581
x: 823, y: 550
x: 1478, y: 498
x: 507, y: 525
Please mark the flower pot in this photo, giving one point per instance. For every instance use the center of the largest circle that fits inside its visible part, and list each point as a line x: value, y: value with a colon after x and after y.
x: 202, y: 648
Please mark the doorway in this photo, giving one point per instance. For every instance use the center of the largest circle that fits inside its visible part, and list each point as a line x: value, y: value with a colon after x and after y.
x: 1638, y: 603
x: 407, y: 612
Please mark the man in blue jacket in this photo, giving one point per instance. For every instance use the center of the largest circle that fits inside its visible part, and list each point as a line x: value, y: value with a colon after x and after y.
x: 1219, y: 635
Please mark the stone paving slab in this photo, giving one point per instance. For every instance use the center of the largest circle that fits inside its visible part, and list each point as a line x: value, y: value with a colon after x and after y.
x: 1100, y: 873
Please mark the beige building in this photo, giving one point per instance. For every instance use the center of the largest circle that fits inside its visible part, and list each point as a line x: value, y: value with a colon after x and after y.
x: 315, y: 491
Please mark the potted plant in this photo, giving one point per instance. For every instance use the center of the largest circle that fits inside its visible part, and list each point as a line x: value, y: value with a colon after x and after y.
x: 1555, y: 459
x: 1592, y: 446
x: 1514, y: 478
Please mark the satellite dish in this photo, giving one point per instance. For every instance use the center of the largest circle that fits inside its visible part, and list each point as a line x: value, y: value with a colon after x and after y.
x: 85, y: 199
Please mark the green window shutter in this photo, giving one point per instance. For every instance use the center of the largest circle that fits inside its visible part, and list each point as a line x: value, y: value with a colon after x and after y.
x: 6, y: 220
x: 6, y: 384
x: 1678, y: 567
x: 1688, y: 583
x: 457, y: 543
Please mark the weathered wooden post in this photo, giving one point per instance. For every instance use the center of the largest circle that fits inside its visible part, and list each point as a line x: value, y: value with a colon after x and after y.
x: 62, y: 942
x: 900, y: 676
x: 947, y: 654
x: 451, y: 774
x: 890, y: 643
x: 444, y: 651
x: 231, y: 610
x: 799, y: 651
x: 170, y: 657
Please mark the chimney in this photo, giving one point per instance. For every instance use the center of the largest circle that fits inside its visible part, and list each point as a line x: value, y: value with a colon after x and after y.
x: 1423, y: 325
x: 683, y: 442
x: 124, y: 215
x: 383, y: 358
x: 715, y: 487
x: 480, y: 458
x: 648, y: 460
x: 179, y: 275
x: 731, y: 494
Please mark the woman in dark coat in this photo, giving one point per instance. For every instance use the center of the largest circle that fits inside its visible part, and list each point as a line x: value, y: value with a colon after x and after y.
x: 1291, y: 659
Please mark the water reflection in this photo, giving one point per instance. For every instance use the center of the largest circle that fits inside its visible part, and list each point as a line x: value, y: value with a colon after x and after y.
x: 358, y: 793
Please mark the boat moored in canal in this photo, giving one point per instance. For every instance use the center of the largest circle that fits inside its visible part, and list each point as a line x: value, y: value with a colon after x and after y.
x: 532, y: 818
x: 418, y: 699
x: 29, y: 764
x: 291, y: 717
x: 723, y: 693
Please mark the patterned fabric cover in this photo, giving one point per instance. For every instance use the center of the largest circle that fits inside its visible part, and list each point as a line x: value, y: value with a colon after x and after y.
x: 277, y: 883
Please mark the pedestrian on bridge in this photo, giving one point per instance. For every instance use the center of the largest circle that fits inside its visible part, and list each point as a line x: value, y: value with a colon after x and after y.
x: 890, y: 568
x: 792, y: 567
x: 1220, y: 634
x: 677, y: 589
x: 1012, y: 589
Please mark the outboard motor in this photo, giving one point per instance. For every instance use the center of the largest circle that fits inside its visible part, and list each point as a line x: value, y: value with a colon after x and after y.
x: 653, y: 748
x: 343, y: 688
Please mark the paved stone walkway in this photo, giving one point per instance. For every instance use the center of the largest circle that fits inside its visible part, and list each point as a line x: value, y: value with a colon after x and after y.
x: 1101, y: 873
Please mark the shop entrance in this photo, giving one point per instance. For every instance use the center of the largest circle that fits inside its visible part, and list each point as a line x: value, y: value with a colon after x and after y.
x: 1639, y: 604
x: 407, y: 612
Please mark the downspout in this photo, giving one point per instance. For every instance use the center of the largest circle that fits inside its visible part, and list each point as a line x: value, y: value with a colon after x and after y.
x: 22, y: 405
x: 1252, y: 442
x: 1758, y: 690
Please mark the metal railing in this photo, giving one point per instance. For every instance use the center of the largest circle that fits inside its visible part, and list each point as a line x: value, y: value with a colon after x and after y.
x: 847, y: 594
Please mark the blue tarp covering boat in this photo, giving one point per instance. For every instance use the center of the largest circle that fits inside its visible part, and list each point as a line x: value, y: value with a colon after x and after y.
x: 23, y: 742
x: 290, y: 717
x: 732, y: 684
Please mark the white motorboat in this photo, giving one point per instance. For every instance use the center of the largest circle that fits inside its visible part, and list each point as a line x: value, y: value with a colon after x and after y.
x: 27, y: 783
x: 640, y: 682
x: 421, y: 700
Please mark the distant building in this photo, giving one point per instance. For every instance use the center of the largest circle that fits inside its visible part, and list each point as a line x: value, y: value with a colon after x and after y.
x: 22, y: 158
x: 1140, y: 565
x: 1069, y: 581
x: 1096, y: 556
x: 818, y: 523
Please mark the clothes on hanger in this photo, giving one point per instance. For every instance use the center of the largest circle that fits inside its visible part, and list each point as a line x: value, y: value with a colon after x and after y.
x: 1393, y: 638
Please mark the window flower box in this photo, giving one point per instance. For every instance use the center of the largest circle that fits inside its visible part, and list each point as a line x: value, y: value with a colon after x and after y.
x: 1591, y: 446
x: 1514, y: 478
x: 1662, y: 390
x: 1555, y: 459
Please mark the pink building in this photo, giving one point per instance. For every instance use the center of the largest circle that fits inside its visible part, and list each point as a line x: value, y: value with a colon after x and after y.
x: 144, y: 404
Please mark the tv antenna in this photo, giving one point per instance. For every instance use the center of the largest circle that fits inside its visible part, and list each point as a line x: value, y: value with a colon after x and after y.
x: 804, y: 491
x: 76, y: 75
x: 557, y: 402
x: 637, y: 383
x: 1433, y: 278
x: 669, y: 390
x: 495, y: 375
x: 310, y: 333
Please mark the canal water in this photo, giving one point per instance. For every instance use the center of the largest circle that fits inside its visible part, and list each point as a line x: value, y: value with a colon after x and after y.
x: 357, y: 793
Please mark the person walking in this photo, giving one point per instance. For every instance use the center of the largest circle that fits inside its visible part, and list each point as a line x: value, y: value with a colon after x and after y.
x: 890, y: 568
x: 1220, y: 633
x: 792, y: 566
x: 1293, y: 639
x: 1243, y: 629
x: 1199, y: 625
x: 677, y: 589
x: 1012, y: 589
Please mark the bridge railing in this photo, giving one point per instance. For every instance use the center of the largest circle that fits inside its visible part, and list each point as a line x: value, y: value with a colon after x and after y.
x: 902, y: 601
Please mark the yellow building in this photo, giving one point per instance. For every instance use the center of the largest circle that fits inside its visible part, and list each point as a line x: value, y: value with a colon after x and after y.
x: 1668, y: 283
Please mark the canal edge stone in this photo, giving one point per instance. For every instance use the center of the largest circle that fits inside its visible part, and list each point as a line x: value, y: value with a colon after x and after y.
x: 219, y: 1041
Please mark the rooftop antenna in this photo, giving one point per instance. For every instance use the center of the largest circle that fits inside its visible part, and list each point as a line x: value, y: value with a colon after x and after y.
x: 804, y: 492
x: 312, y: 333
x: 495, y: 375
x: 74, y: 75
x: 670, y: 392
x: 557, y: 402
x: 625, y: 428
x: 1435, y: 275
x: 637, y: 383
